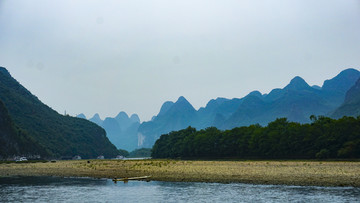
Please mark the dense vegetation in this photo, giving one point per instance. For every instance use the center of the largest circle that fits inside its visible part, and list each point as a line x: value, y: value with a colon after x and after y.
x: 281, y: 139
x: 142, y: 152
x: 14, y: 141
x: 123, y: 152
x: 59, y: 135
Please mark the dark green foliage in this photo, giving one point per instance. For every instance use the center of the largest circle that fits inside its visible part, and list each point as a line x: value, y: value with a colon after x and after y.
x: 123, y: 152
x: 8, y: 136
x: 281, y: 139
x: 142, y: 152
x: 14, y: 141
x: 323, y: 154
x: 59, y: 135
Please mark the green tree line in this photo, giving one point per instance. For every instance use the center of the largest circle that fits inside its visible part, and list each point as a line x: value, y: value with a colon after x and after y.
x: 280, y: 139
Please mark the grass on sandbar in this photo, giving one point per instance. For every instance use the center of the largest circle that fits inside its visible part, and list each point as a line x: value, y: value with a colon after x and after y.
x: 325, y: 173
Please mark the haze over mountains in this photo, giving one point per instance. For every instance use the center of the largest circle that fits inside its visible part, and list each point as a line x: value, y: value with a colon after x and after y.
x: 27, y: 126
x: 297, y: 102
x: 351, y: 105
x: 121, y: 130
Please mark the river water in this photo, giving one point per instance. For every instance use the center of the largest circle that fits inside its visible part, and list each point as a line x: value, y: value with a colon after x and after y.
x: 57, y: 189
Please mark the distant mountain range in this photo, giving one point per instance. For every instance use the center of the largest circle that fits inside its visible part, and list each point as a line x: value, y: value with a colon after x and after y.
x: 29, y: 127
x: 121, y: 130
x: 297, y: 102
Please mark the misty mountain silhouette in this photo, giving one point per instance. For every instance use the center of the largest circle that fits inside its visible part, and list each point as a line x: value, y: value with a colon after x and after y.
x: 172, y: 116
x: 297, y: 101
x: 351, y: 105
x: 96, y: 119
x: 121, y: 130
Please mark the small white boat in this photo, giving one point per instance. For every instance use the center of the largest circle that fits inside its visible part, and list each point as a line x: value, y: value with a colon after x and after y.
x: 22, y: 159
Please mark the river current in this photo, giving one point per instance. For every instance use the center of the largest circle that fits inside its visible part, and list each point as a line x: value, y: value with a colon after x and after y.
x: 57, y: 189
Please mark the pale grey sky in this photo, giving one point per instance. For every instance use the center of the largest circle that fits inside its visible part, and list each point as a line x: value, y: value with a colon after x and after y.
x: 109, y: 56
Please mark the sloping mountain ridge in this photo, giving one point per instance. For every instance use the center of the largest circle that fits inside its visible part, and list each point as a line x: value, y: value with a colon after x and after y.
x: 334, y: 90
x: 172, y: 116
x: 96, y: 119
x: 297, y: 101
x: 351, y: 105
x: 59, y: 135
x: 216, y: 112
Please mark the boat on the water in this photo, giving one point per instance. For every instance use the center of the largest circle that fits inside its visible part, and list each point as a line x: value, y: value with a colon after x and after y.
x: 146, y: 178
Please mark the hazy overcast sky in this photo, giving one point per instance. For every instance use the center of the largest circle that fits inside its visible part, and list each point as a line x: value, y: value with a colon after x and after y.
x: 104, y: 57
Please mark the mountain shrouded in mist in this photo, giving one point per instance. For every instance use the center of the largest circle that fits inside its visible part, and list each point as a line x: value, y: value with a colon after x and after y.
x: 96, y: 119
x: 351, y: 105
x: 121, y: 130
x: 297, y: 102
x: 172, y: 116
x: 53, y: 134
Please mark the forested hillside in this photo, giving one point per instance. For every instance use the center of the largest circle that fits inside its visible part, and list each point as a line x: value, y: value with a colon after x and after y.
x: 59, y: 135
x: 281, y: 139
x: 14, y: 141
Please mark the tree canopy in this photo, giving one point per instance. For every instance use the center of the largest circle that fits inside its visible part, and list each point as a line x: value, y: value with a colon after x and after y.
x: 280, y: 139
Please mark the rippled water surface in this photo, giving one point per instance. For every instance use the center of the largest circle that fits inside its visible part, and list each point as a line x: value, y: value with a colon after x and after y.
x: 56, y: 189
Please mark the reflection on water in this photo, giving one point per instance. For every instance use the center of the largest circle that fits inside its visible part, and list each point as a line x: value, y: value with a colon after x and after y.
x: 56, y: 189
